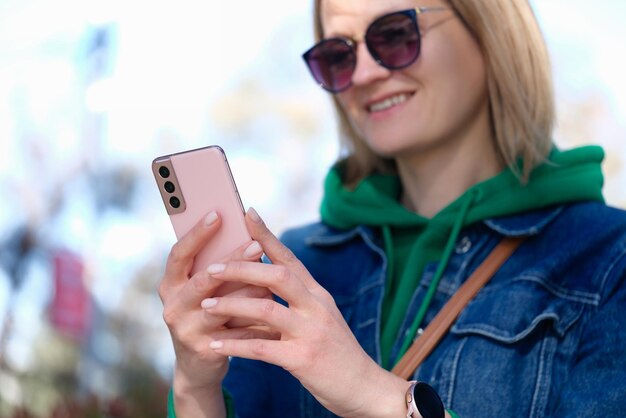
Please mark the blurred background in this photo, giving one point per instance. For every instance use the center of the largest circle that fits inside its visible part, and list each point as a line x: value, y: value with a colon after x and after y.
x: 91, y: 92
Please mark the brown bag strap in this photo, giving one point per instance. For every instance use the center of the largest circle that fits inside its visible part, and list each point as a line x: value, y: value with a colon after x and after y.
x: 433, y: 333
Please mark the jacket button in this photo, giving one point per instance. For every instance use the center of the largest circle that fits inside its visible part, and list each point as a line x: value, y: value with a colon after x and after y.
x: 463, y: 246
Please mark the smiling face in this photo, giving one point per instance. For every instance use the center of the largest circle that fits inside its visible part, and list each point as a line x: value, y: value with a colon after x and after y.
x: 437, y: 103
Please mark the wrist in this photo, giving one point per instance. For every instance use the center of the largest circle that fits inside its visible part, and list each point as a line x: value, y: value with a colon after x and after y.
x: 191, y: 378
x: 197, y: 401
x: 390, y: 398
x: 386, y: 398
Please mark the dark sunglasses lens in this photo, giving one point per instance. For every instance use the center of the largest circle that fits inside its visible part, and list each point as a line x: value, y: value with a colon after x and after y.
x: 332, y: 63
x: 394, y: 40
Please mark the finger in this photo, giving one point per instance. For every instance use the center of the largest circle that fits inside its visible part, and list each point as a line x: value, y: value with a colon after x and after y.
x: 200, y: 286
x: 250, y: 251
x: 187, y: 327
x: 261, y: 311
x: 276, y: 251
x: 246, y: 333
x: 278, y: 279
x: 279, y: 353
x: 241, y: 323
x: 247, y: 291
x: 196, y: 348
x: 272, y: 246
x: 180, y: 259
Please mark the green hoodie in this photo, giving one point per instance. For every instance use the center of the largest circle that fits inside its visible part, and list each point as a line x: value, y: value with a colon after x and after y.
x: 412, y: 241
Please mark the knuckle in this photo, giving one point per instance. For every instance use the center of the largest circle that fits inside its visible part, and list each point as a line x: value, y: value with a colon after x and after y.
x: 324, y: 296
x: 308, y: 355
x: 282, y: 274
x: 199, y: 283
x: 162, y: 290
x: 169, y: 316
x: 259, y: 348
x: 202, y: 353
x: 185, y: 338
x: 267, y: 308
x: 176, y: 255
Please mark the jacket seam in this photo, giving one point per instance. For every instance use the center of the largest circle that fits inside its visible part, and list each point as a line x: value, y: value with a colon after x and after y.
x: 613, y: 266
x: 571, y: 295
x: 455, y: 363
x: 545, y: 361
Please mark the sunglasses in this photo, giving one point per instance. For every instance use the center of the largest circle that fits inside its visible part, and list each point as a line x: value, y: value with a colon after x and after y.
x: 393, y: 40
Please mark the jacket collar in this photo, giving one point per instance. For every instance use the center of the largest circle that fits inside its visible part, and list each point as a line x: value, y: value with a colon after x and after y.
x: 524, y: 224
x: 324, y: 235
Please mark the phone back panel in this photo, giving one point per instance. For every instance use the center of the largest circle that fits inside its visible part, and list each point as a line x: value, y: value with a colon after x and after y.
x: 206, y: 184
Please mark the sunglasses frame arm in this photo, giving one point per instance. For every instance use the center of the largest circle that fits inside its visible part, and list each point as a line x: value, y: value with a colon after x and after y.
x: 419, y: 10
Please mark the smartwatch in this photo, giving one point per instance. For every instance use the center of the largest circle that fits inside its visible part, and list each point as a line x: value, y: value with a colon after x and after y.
x: 422, y: 399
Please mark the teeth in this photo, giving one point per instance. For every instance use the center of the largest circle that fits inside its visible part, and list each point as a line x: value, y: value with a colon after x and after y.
x: 387, y: 103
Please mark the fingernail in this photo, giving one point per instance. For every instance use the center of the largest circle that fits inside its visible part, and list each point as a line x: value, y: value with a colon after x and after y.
x: 215, y: 268
x: 254, y: 216
x: 210, y: 218
x: 208, y: 303
x: 216, y: 344
x: 252, y: 250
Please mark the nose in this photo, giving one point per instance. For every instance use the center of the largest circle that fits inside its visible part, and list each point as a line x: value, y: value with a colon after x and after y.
x: 367, y: 70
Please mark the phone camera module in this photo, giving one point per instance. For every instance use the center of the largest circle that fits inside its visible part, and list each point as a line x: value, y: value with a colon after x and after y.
x: 175, y: 202
x: 164, y: 172
x: 169, y: 187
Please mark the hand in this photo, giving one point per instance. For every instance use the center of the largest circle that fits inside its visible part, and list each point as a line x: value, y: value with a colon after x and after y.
x: 198, y: 368
x: 315, y: 345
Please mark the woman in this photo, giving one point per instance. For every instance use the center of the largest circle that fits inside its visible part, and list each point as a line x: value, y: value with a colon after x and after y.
x: 447, y: 112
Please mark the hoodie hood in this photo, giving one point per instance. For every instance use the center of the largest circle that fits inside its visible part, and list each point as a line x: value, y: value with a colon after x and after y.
x: 411, y: 240
x: 567, y: 176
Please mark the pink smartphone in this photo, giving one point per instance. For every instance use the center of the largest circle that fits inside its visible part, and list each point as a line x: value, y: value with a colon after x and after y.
x: 194, y: 183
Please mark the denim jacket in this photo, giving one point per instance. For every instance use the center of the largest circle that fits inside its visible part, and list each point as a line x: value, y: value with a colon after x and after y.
x: 546, y: 337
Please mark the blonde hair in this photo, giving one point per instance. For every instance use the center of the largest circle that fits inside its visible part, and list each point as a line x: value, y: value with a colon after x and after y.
x: 519, y: 85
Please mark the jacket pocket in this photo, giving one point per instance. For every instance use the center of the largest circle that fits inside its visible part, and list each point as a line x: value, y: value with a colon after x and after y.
x: 511, y: 312
x: 503, y: 353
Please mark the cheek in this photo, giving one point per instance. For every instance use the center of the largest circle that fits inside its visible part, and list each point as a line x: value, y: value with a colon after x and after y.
x: 467, y: 60
x: 461, y: 76
x: 351, y: 110
x: 465, y: 88
x: 345, y: 101
x: 473, y: 78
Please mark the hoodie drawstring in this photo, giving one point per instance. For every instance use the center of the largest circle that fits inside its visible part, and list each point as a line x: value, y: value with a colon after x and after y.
x: 432, y: 288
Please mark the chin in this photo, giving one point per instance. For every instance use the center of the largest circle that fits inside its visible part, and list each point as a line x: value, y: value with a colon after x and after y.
x: 392, y: 148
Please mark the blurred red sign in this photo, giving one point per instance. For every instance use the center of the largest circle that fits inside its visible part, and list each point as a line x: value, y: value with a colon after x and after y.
x: 70, y: 310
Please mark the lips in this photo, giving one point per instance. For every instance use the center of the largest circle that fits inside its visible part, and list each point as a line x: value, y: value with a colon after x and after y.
x: 388, y: 102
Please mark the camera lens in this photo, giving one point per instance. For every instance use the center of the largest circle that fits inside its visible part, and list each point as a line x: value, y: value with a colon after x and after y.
x: 164, y: 172
x: 174, y: 202
x: 169, y: 187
